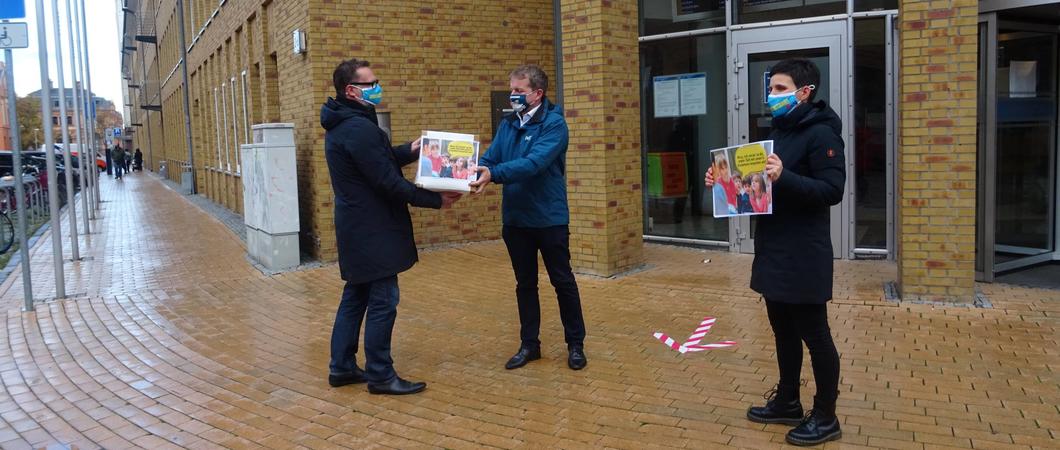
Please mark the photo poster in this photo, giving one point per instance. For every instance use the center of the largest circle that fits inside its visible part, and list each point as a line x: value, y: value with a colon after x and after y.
x: 447, y: 161
x: 741, y: 187
x: 680, y: 94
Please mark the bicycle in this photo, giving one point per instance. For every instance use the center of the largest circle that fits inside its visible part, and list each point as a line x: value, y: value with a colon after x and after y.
x: 7, y: 227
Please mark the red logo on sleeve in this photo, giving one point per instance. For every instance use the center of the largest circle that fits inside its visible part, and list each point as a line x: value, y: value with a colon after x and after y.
x: 831, y: 153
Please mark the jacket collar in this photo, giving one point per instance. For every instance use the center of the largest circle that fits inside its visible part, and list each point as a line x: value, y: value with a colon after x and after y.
x: 358, y: 109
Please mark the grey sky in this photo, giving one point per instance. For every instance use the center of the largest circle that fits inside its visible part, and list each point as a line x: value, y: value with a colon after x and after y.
x: 104, y: 56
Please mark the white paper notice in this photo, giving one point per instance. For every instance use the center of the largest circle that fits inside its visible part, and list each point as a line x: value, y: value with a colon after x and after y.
x: 693, y: 94
x: 1023, y: 79
x: 667, y: 96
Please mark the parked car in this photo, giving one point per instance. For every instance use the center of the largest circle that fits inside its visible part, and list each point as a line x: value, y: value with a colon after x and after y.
x: 101, y: 162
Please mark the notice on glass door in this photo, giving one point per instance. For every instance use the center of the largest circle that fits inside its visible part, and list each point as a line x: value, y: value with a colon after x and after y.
x: 693, y: 94
x: 667, y: 96
x: 680, y: 95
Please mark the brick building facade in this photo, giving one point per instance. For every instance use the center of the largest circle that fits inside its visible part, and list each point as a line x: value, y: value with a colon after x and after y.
x: 903, y: 75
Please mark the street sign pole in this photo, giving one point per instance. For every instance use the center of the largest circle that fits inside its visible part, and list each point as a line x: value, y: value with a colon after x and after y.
x: 49, y: 153
x: 20, y: 191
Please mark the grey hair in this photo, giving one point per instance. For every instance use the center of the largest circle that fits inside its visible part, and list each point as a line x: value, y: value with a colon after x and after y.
x: 537, y: 77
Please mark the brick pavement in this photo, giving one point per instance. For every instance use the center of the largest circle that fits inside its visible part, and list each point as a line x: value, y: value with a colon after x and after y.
x: 174, y: 340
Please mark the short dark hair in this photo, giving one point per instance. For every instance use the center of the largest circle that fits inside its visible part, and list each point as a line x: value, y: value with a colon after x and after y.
x: 802, y: 71
x: 538, y: 79
x: 346, y: 73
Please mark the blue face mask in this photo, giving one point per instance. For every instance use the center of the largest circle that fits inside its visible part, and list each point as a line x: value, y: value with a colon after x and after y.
x: 373, y: 95
x: 782, y: 104
x: 518, y: 102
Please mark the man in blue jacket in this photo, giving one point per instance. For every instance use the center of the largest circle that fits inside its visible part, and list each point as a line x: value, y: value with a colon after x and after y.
x: 528, y: 156
x: 372, y: 227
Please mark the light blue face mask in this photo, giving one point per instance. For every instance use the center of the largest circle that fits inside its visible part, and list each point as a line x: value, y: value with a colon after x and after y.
x: 373, y: 95
x: 782, y: 104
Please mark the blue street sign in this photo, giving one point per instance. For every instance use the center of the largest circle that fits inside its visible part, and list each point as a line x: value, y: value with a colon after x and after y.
x: 12, y: 9
x: 117, y: 132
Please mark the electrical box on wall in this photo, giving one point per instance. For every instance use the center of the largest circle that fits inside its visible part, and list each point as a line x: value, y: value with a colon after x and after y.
x: 299, y: 41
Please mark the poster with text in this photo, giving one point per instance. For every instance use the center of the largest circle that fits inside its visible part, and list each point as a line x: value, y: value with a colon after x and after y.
x: 741, y: 187
x: 447, y: 161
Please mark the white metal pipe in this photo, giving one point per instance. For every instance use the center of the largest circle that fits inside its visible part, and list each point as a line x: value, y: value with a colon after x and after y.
x: 71, y: 211
x: 49, y: 153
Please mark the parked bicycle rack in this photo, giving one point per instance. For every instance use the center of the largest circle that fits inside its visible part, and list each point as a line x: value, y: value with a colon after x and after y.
x: 34, y: 194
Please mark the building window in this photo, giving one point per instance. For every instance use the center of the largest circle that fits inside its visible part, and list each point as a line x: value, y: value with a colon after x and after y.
x: 668, y: 16
x: 750, y: 11
x: 224, y: 114
x: 235, y: 125
x: 870, y: 133
x: 677, y: 141
x: 246, y: 119
x: 874, y: 5
x: 217, y: 129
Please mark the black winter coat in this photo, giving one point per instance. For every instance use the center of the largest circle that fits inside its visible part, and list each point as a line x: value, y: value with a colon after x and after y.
x: 372, y: 223
x: 793, y: 246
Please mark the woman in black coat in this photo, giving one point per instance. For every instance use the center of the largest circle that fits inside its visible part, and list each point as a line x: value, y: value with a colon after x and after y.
x: 793, y: 250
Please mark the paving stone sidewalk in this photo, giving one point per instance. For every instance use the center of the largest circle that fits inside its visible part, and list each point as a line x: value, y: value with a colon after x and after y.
x: 172, y: 339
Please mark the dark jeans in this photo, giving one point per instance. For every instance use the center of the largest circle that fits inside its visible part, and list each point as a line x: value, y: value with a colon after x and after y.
x: 794, y: 324
x: 554, y: 245
x: 379, y: 299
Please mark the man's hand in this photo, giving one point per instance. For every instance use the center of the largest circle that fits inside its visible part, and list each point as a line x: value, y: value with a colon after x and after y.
x: 416, y: 146
x: 708, y: 179
x: 484, y: 177
x: 448, y: 198
x: 774, y: 167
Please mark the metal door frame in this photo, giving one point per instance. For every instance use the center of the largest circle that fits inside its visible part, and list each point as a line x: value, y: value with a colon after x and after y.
x: 833, y: 35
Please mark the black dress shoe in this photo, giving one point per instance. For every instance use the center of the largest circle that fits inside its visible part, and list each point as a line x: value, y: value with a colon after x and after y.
x: 781, y: 407
x: 817, y: 428
x: 576, y: 359
x: 397, y: 386
x: 523, y: 356
x: 342, y: 379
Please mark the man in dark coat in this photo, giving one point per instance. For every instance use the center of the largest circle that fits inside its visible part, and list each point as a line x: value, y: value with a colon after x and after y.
x: 372, y: 226
x: 793, y: 249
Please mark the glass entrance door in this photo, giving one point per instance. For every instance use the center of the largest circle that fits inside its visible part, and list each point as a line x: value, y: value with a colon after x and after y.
x: 1017, y: 145
x: 756, y: 51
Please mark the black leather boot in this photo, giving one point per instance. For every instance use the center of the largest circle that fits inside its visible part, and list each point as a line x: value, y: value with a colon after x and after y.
x: 782, y: 406
x: 820, y: 425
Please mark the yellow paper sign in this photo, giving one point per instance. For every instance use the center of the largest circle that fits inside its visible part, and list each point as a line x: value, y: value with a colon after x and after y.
x: 751, y: 158
x: 461, y: 149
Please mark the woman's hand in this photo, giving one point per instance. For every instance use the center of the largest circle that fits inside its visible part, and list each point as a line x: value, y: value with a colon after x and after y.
x: 774, y: 167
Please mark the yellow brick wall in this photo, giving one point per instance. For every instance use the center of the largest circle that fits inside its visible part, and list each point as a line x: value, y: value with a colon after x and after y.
x: 937, y: 149
x: 245, y: 35
x: 438, y: 61
x: 602, y: 99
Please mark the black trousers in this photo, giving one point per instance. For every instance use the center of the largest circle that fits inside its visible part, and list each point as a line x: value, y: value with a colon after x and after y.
x: 554, y: 244
x: 792, y: 326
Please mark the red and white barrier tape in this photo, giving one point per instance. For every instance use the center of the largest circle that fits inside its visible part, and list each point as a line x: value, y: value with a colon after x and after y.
x: 692, y: 343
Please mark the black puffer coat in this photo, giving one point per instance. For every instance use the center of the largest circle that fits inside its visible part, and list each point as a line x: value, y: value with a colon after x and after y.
x: 372, y: 223
x: 793, y: 246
